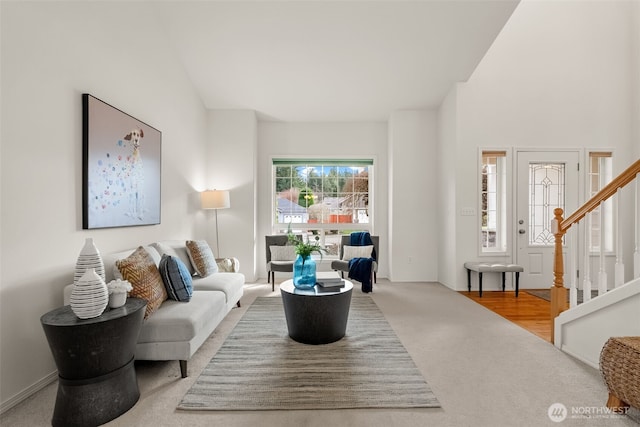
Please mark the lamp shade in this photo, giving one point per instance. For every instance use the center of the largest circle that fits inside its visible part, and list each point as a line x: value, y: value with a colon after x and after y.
x: 215, y: 199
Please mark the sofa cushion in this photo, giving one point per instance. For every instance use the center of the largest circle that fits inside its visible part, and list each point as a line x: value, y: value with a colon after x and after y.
x: 201, y: 257
x: 350, y: 252
x: 176, y: 278
x: 141, y: 271
x: 179, y: 322
x: 229, y: 283
x: 176, y: 248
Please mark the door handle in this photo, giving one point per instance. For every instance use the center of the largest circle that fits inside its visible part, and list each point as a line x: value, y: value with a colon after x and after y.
x: 521, y: 231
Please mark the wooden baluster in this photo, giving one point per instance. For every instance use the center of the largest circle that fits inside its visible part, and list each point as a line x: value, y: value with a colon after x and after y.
x: 558, y: 291
x: 619, y: 269
x: 602, y: 275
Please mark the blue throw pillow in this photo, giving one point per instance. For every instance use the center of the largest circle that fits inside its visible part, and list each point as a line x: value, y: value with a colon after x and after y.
x: 176, y: 278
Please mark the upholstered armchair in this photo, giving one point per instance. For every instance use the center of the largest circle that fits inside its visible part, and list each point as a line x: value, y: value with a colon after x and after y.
x: 342, y: 264
x: 280, y: 256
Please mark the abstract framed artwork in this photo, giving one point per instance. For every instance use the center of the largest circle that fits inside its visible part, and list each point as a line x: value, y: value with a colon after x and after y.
x: 121, y: 168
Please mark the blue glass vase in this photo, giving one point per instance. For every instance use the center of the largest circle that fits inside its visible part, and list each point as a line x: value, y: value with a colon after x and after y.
x: 304, y: 272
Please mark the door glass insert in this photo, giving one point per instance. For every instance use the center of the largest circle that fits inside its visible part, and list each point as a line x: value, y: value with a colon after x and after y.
x: 546, y: 192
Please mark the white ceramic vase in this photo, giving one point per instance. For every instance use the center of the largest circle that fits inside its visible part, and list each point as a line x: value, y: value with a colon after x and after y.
x: 89, y: 296
x: 89, y: 258
x: 117, y: 299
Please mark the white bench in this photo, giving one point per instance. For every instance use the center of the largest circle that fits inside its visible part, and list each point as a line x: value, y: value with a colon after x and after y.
x: 496, y: 267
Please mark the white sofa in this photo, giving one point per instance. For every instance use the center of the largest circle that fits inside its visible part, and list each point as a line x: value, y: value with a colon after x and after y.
x: 177, y: 329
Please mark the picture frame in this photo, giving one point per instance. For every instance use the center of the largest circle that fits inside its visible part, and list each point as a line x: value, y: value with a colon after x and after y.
x: 121, y: 168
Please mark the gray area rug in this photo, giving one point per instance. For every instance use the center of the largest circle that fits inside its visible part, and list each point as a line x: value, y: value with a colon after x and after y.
x: 259, y: 367
x: 545, y: 294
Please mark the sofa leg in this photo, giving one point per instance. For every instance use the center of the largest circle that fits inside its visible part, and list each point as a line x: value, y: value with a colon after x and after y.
x: 238, y: 303
x: 183, y: 368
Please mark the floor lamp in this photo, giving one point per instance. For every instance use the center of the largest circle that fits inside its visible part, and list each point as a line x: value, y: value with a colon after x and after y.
x: 215, y: 199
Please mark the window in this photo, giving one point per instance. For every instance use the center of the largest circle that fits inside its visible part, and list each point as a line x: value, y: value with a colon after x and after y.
x: 493, y: 202
x: 327, y: 198
x: 600, y: 174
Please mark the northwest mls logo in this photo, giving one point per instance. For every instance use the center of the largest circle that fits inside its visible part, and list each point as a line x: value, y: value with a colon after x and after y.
x: 557, y: 412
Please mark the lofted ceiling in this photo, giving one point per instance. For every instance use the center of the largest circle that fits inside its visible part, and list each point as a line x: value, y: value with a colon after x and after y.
x: 310, y: 61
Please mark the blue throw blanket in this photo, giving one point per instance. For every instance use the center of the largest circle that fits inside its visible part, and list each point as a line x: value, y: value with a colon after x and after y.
x: 360, y: 268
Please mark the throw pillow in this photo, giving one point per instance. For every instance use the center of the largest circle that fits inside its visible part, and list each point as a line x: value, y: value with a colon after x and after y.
x: 176, y: 278
x: 282, y: 253
x: 140, y: 270
x: 178, y: 251
x: 350, y: 252
x: 201, y: 257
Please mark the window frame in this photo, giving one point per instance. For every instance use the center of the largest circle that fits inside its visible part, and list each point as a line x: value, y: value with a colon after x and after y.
x: 610, y: 227
x: 321, y: 228
x: 505, y: 201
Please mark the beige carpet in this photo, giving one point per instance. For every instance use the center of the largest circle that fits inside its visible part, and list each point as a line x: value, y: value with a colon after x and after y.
x: 484, y: 370
x: 260, y: 368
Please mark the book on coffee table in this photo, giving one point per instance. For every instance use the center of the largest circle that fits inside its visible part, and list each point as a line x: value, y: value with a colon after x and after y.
x: 330, y: 283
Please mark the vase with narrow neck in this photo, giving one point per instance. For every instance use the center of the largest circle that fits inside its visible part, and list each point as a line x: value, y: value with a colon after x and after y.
x: 89, y: 296
x: 304, y: 272
x: 88, y: 259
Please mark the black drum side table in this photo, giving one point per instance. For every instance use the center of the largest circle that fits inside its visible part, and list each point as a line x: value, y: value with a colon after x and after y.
x: 96, y: 377
x: 316, y: 315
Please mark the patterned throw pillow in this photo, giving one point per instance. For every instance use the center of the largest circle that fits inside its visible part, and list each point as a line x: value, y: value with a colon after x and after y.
x: 282, y: 253
x: 201, y: 257
x: 350, y: 252
x: 176, y: 278
x: 140, y: 270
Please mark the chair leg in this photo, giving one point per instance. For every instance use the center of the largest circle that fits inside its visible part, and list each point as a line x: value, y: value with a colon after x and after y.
x: 480, y: 283
x: 504, y: 279
x: 273, y: 281
x: 517, y: 282
x: 469, y: 280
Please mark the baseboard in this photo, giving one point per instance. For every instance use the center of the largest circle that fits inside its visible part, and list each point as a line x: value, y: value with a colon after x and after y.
x: 580, y: 358
x: 28, y: 392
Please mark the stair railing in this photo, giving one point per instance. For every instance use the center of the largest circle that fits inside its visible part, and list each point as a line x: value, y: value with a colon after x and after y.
x: 560, y: 227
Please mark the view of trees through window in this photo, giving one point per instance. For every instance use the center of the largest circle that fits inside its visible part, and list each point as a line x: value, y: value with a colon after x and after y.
x: 326, y: 198
x: 493, y: 193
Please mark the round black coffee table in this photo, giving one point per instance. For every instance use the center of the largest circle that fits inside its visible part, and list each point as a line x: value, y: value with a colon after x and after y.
x: 96, y: 377
x: 318, y: 315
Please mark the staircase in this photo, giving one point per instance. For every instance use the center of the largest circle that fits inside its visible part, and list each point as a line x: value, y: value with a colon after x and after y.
x: 582, y: 330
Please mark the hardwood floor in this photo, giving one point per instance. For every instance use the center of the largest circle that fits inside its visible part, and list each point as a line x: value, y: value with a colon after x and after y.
x: 529, y: 312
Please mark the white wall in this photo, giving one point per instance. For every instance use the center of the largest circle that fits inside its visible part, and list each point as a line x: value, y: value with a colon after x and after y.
x: 231, y: 165
x: 583, y: 330
x: 413, y: 194
x: 446, y: 170
x: 558, y: 75
x: 52, y: 52
x: 635, y: 71
x: 332, y: 140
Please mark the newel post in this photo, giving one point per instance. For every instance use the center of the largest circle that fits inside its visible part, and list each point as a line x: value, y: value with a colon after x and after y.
x: 558, y: 291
